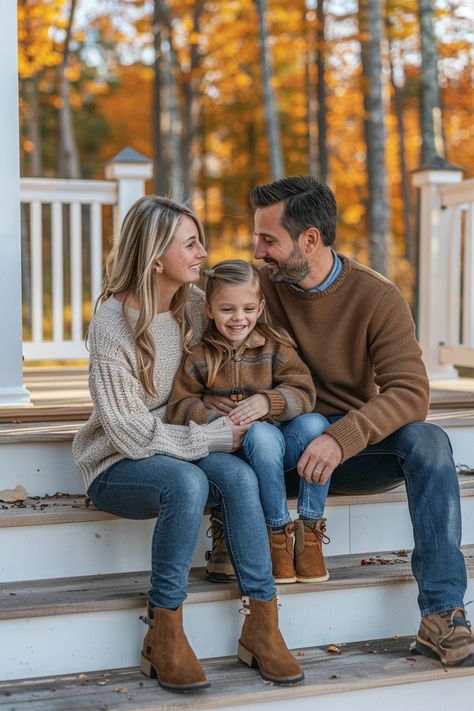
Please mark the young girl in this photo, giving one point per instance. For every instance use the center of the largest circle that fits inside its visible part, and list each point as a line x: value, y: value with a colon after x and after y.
x: 244, y: 358
x: 135, y: 465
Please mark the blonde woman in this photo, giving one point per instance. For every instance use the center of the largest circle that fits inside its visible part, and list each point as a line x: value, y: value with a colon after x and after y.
x: 137, y: 466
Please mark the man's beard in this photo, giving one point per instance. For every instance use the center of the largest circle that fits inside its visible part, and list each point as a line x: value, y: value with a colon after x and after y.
x: 296, y: 268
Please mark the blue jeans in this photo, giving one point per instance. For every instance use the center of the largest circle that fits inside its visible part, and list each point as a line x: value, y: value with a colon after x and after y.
x: 420, y: 455
x: 271, y: 451
x: 176, y: 492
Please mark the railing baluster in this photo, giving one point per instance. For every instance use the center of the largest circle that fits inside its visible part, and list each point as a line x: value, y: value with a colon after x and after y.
x: 75, y: 223
x: 36, y: 228
x: 454, y: 293
x: 96, y: 251
x: 468, y: 305
x: 58, y: 267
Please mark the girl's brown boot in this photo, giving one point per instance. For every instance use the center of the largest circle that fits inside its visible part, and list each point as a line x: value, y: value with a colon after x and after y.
x: 261, y: 643
x: 167, y: 654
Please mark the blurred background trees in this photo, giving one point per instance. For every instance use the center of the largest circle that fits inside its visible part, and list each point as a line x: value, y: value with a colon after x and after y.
x: 223, y: 95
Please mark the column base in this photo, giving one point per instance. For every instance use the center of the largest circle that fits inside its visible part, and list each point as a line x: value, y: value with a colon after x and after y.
x: 15, y: 397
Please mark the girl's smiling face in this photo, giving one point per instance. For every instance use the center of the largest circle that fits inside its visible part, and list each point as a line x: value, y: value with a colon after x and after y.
x: 235, y: 309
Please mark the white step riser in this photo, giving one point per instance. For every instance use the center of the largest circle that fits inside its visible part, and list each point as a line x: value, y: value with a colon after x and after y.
x: 118, y: 546
x: 47, y: 467
x: 65, y: 644
x: 438, y: 695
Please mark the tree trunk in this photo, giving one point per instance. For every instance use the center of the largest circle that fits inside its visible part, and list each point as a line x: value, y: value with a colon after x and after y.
x: 68, y: 153
x: 431, y: 131
x: 33, y: 128
x: 160, y: 172
x: 175, y: 127
x: 370, y: 26
x: 271, y: 112
x: 321, y: 92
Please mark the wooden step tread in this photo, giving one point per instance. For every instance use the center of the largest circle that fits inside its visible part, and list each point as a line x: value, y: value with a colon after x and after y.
x: 56, y: 424
x: 71, y: 508
x: 360, y: 665
x: 120, y: 591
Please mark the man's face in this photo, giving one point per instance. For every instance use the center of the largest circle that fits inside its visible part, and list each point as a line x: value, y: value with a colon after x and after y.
x: 286, y: 262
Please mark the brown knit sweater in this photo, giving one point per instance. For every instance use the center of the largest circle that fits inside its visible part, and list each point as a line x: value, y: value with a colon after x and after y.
x: 357, y: 338
x: 260, y: 365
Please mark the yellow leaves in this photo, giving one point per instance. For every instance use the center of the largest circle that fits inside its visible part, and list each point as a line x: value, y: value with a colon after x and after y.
x: 353, y: 214
x: 242, y: 80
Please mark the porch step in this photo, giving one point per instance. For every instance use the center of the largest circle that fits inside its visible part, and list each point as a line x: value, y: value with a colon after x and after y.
x: 91, y: 623
x: 383, y: 666
x: 38, y: 454
x: 81, y: 540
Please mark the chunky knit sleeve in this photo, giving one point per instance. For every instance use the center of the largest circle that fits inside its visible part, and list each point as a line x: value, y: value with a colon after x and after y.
x: 134, y: 430
x: 293, y: 390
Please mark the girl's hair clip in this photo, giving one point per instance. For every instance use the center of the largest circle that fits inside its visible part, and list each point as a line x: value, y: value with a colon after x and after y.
x: 209, y: 273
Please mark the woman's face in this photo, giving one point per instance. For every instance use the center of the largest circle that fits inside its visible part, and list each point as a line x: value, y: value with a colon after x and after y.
x: 182, y: 261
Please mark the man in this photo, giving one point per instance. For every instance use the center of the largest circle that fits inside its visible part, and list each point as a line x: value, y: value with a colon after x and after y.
x: 354, y: 330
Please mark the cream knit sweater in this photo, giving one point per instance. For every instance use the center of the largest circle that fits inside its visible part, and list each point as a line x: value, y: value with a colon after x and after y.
x: 126, y: 422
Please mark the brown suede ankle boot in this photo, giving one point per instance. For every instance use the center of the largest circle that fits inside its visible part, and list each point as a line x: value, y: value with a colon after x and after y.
x: 261, y: 644
x: 219, y: 568
x: 167, y: 655
x: 281, y: 549
x: 309, y: 560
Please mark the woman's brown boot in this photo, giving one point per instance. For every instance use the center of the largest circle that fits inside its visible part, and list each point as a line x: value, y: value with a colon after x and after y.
x: 281, y: 549
x: 167, y: 655
x: 309, y: 559
x: 261, y: 643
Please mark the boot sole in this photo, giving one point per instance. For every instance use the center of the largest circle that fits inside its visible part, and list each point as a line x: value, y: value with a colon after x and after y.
x: 247, y: 657
x: 285, y: 581
x: 220, y: 577
x: 320, y: 579
x: 149, y: 670
x: 427, y: 650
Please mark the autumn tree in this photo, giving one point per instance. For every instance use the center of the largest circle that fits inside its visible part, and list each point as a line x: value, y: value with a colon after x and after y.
x: 431, y: 131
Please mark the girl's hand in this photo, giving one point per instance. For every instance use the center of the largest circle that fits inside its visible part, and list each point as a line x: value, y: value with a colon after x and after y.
x: 238, y: 434
x: 253, y: 408
x: 222, y: 405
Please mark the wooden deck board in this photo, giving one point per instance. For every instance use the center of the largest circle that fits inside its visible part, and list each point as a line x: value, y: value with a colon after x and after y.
x: 120, y: 591
x: 63, y: 394
x: 361, y: 665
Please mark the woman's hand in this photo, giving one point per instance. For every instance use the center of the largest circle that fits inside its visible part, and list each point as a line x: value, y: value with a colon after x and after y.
x: 238, y: 434
x: 253, y: 408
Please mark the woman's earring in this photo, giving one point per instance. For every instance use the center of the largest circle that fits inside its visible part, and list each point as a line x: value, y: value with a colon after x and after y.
x: 159, y: 268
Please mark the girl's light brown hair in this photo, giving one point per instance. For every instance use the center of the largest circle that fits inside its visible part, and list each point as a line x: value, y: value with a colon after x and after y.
x: 218, y: 350
x: 147, y: 232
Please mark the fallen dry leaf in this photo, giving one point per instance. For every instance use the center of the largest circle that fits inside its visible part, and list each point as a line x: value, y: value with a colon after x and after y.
x: 410, y: 659
x: 334, y: 676
x: 83, y: 677
x: 299, y: 653
x: 101, y: 683
x: 121, y: 690
x: 332, y: 649
x: 10, y: 496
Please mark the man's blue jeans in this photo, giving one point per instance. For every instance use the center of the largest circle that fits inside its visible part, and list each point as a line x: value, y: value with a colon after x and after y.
x: 176, y: 492
x: 420, y: 455
x: 271, y: 451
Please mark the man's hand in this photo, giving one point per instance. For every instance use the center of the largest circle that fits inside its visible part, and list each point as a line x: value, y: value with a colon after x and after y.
x: 253, y: 408
x: 222, y: 405
x: 319, y: 459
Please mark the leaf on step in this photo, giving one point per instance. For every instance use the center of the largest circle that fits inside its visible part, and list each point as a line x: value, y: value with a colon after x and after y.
x: 402, y: 554
x: 410, y: 659
x: 333, y: 649
x: 101, y: 683
x: 334, y: 676
x: 83, y: 677
x: 377, y: 560
x: 371, y: 651
x: 299, y: 653
x: 121, y: 690
x: 12, y: 496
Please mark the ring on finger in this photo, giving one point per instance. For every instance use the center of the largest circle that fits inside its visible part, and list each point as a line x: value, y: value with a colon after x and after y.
x: 318, y: 471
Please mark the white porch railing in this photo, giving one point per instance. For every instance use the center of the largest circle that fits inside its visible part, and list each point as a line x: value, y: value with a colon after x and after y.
x: 446, y: 314
x: 64, y: 225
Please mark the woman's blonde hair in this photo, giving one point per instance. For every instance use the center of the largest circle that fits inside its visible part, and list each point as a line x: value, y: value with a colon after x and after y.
x: 218, y: 350
x: 147, y: 232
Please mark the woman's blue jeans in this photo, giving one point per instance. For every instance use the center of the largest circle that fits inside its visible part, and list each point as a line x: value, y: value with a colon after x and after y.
x: 271, y: 451
x: 175, y: 493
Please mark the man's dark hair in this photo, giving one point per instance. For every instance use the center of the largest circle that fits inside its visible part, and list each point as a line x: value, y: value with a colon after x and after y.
x: 308, y: 202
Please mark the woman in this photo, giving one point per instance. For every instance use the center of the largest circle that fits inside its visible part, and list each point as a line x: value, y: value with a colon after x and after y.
x: 135, y: 465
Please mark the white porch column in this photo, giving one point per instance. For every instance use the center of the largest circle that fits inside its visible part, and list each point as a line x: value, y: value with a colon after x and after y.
x: 433, y: 311
x: 130, y: 169
x: 12, y: 391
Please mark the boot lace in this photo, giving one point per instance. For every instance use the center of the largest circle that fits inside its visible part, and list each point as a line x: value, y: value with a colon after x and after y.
x: 319, y: 533
x: 215, y: 532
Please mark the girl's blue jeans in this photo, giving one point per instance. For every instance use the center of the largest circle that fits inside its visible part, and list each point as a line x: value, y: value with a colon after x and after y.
x: 271, y: 451
x: 175, y: 493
